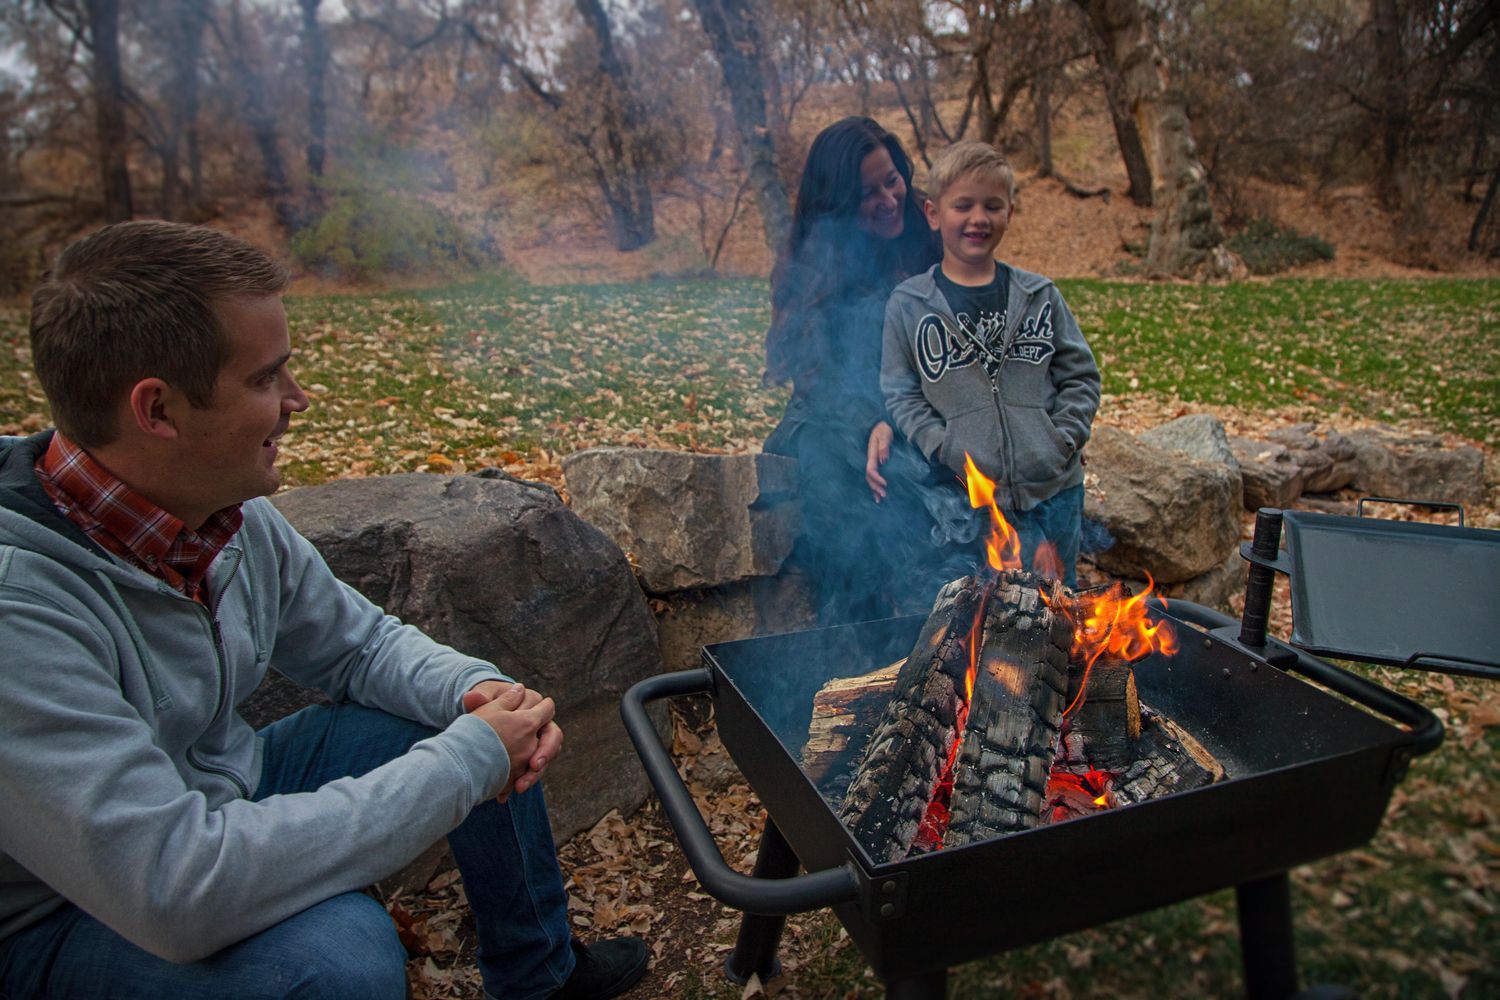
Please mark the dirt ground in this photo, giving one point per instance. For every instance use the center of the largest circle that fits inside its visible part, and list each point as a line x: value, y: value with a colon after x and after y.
x: 1054, y: 232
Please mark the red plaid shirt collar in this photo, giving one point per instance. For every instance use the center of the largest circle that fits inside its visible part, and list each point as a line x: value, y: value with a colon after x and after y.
x: 125, y: 523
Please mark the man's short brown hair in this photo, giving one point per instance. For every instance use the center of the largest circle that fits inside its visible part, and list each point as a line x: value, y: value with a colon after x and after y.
x: 969, y: 156
x: 137, y: 300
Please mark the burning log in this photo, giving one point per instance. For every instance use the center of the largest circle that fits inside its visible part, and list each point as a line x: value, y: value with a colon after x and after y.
x: 966, y: 747
x: 1104, y: 718
x: 1013, y: 715
x: 1170, y: 760
x: 890, y: 791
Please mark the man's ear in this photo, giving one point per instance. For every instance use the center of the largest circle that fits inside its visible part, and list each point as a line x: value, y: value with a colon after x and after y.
x: 930, y: 209
x: 150, y: 410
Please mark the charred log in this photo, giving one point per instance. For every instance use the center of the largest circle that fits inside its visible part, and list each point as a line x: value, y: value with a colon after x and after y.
x: 892, y: 787
x: 844, y: 712
x: 1000, y: 781
x: 1169, y: 761
x: 1102, y: 730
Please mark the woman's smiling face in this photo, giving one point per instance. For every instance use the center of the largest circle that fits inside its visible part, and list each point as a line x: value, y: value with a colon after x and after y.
x: 882, y: 195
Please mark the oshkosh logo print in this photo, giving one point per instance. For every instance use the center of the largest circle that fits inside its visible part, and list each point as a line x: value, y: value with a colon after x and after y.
x: 1033, y: 342
x: 940, y: 350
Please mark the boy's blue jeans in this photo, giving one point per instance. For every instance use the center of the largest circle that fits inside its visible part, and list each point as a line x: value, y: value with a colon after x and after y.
x: 346, y: 946
x: 1059, y: 520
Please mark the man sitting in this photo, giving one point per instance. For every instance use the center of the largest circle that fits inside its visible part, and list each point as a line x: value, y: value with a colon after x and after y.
x: 152, y: 843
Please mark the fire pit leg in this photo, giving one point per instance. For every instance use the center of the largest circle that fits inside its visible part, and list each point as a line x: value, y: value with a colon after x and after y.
x: 760, y: 935
x: 1266, y: 946
x: 927, y: 986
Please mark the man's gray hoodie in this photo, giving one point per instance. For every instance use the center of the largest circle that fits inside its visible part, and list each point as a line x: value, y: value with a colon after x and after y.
x: 1024, y: 426
x: 125, y: 770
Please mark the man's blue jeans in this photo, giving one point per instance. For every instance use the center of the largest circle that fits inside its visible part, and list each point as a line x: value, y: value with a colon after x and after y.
x: 346, y: 946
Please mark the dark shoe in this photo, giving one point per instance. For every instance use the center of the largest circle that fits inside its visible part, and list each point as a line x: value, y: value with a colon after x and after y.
x: 605, y: 969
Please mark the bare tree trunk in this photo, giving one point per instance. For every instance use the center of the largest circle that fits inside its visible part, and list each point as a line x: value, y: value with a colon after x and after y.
x: 736, y: 42
x: 170, y: 146
x: 1041, y: 96
x: 1393, y: 121
x: 195, y: 19
x: 1127, y: 135
x: 187, y: 19
x: 1186, y: 239
x: 620, y: 174
x: 262, y: 122
x: 1396, y: 185
x: 1481, y: 217
x: 109, y: 109
x: 316, y: 56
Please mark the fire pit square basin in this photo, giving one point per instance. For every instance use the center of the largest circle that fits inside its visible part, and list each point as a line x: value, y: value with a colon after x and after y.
x: 1310, y: 775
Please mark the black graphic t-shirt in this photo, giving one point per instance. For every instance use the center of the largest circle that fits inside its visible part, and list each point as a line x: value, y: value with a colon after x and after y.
x: 980, y: 311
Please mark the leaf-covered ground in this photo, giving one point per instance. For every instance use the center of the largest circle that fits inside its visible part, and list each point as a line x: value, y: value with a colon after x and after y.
x: 509, y: 374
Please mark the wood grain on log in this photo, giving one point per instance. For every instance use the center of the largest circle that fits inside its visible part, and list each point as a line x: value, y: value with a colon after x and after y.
x: 844, y: 712
x: 1101, y: 732
x: 890, y: 791
x: 1000, y: 782
x: 1169, y: 760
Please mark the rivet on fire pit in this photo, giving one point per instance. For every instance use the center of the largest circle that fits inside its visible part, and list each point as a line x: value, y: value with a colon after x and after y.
x: 1227, y: 673
x: 889, y: 888
x: 888, y: 910
x: 1208, y: 644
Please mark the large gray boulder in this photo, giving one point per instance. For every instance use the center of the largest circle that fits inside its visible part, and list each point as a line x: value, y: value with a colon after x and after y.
x: 1200, y: 436
x: 1326, y: 459
x: 691, y: 521
x: 688, y: 620
x: 1170, y: 516
x: 1213, y: 589
x: 1391, y: 462
x: 503, y: 570
x: 1271, y: 477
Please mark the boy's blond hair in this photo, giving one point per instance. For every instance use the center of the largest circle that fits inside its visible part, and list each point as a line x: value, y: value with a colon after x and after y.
x: 967, y: 157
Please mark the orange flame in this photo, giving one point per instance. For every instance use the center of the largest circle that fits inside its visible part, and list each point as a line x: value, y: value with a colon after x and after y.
x: 1116, y: 625
x: 1004, y: 545
x: 1046, y: 563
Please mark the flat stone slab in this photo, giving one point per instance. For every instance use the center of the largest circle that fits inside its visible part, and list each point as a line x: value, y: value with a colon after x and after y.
x: 690, y: 521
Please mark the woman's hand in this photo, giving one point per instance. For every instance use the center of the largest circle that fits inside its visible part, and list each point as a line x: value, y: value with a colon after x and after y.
x: 876, y: 452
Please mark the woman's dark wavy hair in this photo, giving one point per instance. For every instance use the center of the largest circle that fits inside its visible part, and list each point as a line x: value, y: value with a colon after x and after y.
x: 828, y: 256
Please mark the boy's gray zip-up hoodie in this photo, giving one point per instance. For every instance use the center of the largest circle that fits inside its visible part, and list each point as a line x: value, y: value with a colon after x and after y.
x: 1024, y: 429
x: 125, y: 770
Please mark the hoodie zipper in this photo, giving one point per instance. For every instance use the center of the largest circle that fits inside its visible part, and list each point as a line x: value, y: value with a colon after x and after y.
x: 217, y: 635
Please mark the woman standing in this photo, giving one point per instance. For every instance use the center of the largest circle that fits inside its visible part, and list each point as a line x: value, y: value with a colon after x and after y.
x: 857, y: 231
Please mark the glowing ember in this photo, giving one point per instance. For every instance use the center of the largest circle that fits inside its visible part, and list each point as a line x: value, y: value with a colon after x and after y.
x: 1094, y: 787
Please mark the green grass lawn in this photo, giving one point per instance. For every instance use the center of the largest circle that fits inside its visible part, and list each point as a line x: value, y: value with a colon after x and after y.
x: 480, y: 373
x: 497, y: 372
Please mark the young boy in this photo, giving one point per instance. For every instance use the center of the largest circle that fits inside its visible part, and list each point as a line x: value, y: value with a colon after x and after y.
x: 986, y: 359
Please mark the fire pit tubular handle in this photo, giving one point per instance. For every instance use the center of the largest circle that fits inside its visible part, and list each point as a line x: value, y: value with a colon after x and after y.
x: 771, y: 897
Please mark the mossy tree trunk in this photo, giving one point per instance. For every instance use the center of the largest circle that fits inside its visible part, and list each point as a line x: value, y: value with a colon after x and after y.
x: 1186, y: 239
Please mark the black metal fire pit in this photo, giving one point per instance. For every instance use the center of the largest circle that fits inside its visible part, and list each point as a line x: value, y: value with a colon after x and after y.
x: 1310, y: 775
